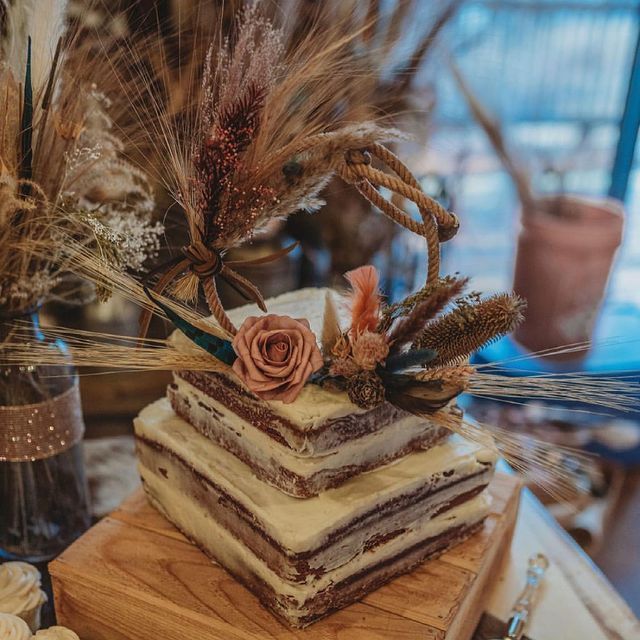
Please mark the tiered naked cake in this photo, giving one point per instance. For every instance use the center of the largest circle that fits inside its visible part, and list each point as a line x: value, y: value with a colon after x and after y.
x: 310, y: 504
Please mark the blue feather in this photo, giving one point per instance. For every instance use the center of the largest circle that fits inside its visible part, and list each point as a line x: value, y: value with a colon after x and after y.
x: 217, y: 347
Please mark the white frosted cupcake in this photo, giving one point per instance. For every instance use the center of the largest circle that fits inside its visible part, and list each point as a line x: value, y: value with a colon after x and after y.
x: 56, y: 633
x: 13, y: 628
x: 20, y: 592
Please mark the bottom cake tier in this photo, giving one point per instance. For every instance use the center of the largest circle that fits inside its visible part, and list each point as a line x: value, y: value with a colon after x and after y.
x: 307, y: 557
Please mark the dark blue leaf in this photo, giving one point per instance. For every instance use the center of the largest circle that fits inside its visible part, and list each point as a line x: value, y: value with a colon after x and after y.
x: 26, y: 159
x: 412, y: 358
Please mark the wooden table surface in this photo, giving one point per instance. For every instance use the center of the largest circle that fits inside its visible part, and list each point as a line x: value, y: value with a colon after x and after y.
x: 576, y: 601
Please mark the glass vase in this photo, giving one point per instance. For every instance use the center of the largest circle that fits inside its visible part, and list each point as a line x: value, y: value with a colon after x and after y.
x: 43, y: 488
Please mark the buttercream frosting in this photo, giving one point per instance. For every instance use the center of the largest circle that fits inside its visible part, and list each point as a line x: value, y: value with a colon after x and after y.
x: 20, y: 591
x: 56, y: 633
x: 297, y: 524
x: 233, y: 554
x: 307, y: 461
x: 13, y: 628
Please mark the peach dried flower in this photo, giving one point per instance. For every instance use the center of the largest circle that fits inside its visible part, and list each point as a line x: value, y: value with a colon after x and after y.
x: 369, y: 349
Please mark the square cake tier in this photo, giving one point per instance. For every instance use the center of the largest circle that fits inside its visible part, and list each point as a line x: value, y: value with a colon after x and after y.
x: 310, y: 445
x: 307, y: 557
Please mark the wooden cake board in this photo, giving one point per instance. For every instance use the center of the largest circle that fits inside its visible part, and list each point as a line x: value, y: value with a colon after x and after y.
x: 135, y: 577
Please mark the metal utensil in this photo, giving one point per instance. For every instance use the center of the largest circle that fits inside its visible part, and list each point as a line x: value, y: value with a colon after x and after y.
x: 538, y: 564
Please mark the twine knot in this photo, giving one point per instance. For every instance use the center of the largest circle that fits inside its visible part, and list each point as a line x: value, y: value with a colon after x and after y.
x: 205, y: 261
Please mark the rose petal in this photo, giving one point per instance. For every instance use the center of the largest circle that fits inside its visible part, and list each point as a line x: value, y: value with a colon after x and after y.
x: 278, y: 350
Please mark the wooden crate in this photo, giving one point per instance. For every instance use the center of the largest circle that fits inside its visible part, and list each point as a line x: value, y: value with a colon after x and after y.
x: 135, y: 577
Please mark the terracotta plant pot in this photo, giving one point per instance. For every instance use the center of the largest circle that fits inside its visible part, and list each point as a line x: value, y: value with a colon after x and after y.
x: 565, y: 251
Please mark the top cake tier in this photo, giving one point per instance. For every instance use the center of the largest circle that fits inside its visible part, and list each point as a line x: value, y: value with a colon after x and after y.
x: 316, y: 406
x: 316, y: 442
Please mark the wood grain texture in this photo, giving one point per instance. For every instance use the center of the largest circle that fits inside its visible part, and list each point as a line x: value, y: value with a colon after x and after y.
x: 134, y: 577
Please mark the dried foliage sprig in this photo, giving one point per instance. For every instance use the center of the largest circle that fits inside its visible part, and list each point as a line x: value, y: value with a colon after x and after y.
x: 414, y: 312
x: 330, y: 325
x: 236, y: 82
x: 258, y: 145
x: 496, y: 138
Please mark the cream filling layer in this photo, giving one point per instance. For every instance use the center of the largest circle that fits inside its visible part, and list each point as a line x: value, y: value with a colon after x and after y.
x: 233, y: 554
x: 298, y: 524
x: 265, y: 450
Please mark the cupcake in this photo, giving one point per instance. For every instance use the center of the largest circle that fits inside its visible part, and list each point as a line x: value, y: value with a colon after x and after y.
x: 20, y: 592
x: 56, y: 633
x: 13, y: 628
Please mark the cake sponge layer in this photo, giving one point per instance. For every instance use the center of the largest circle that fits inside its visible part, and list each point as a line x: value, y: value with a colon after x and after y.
x: 300, y: 472
x: 300, y: 605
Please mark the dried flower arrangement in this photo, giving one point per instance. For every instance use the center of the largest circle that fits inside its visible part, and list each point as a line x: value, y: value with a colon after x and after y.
x: 256, y: 144
x: 64, y: 186
x: 62, y: 173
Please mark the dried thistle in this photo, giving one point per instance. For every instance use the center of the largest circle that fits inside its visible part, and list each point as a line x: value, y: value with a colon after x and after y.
x: 469, y: 326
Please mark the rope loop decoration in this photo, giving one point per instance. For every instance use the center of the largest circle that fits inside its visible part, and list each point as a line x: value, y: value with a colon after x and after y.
x: 200, y: 265
x: 438, y: 225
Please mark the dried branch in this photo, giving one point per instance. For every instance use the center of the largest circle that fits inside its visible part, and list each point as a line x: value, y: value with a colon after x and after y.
x: 406, y: 76
x: 493, y: 132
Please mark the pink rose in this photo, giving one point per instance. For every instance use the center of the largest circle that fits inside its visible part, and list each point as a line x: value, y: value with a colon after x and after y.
x: 276, y: 356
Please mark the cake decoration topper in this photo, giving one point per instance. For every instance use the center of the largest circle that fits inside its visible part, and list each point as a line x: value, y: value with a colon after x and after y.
x: 258, y: 140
